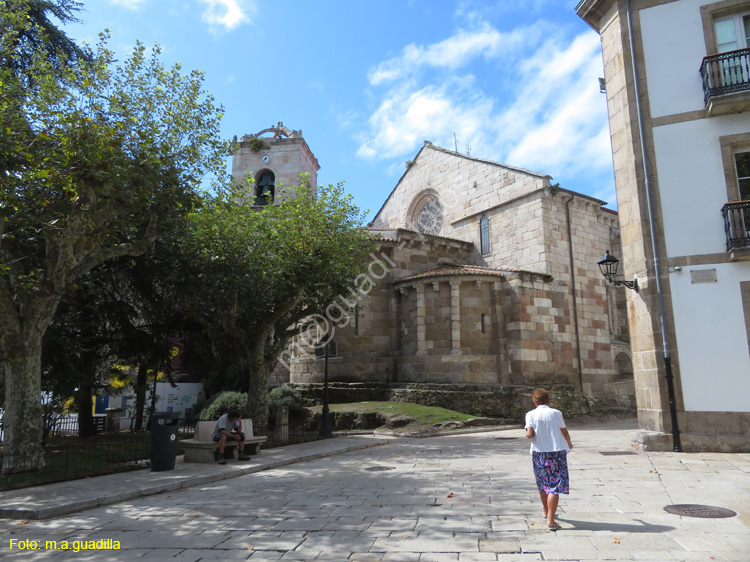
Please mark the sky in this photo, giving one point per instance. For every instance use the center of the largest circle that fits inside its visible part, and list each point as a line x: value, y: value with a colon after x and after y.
x: 513, y: 81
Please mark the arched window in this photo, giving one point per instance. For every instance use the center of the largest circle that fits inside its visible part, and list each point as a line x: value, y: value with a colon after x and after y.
x: 264, y: 188
x: 624, y: 365
x: 484, y: 235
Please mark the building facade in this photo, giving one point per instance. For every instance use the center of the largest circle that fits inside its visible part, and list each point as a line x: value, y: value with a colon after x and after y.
x: 678, y: 91
x: 483, y: 284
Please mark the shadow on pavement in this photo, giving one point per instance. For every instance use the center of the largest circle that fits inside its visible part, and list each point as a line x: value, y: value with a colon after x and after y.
x: 616, y: 527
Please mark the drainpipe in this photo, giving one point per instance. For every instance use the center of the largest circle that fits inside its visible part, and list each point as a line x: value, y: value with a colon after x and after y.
x: 677, y: 445
x: 575, y: 304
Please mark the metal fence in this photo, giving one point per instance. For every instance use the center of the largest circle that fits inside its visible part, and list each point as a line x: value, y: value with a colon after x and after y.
x: 66, y: 425
x: 68, y: 458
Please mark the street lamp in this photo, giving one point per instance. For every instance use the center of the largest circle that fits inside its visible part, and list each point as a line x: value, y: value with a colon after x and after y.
x: 326, y: 348
x: 608, y: 266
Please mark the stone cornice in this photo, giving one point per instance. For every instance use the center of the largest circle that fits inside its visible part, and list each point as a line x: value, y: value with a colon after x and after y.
x: 592, y: 11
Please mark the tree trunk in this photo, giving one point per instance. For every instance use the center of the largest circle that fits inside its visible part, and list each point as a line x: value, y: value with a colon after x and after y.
x: 257, y: 395
x: 141, y: 384
x: 23, y: 421
x: 85, y: 406
x: 21, y: 352
x: 154, y: 396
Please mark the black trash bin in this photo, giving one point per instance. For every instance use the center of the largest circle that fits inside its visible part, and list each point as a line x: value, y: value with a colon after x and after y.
x: 163, y: 440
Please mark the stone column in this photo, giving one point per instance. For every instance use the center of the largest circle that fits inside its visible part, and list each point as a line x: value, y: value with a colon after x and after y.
x: 455, y: 317
x: 421, y: 348
x: 500, y: 345
x: 395, y: 313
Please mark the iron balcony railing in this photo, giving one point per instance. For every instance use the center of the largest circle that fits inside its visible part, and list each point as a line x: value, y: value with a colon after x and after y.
x: 725, y: 73
x: 737, y: 224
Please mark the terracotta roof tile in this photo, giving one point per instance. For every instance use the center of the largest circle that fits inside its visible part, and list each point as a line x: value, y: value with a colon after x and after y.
x: 459, y: 269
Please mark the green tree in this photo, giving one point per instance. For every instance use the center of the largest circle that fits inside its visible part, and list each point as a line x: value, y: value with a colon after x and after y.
x: 30, y: 31
x: 251, y: 277
x: 94, y: 160
x: 114, y: 314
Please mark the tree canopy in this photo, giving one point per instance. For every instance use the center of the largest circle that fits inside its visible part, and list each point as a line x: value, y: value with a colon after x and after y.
x: 251, y: 276
x: 29, y: 31
x: 95, y: 160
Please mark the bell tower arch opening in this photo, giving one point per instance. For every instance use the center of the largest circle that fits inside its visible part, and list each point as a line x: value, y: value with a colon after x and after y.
x: 274, y: 158
x: 265, y: 187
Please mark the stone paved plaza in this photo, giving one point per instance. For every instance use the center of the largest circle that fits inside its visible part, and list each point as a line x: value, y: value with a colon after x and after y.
x: 463, y: 498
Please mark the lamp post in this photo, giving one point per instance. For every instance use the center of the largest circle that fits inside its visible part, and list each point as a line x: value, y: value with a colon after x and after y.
x: 608, y: 266
x: 326, y: 348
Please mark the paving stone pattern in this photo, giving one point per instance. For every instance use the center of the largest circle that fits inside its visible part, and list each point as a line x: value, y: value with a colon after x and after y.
x: 457, y: 498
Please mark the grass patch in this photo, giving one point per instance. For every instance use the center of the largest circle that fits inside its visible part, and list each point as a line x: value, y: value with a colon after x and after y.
x: 401, y: 417
x: 422, y: 414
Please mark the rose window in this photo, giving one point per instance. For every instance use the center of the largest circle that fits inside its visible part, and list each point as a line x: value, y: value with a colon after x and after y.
x: 430, y: 218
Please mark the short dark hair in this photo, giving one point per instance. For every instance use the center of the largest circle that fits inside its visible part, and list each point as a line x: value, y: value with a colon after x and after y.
x: 234, y: 414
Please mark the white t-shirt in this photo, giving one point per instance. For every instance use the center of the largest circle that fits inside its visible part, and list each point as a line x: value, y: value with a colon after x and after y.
x: 547, y: 423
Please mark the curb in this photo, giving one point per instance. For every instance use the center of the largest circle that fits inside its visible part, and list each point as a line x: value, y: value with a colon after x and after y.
x: 73, y: 506
x: 444, y: 433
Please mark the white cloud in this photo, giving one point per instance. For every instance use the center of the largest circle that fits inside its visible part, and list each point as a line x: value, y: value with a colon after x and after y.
x: 129, y: 4
x: 451, y: 53
x: 533, y: 102
x: 407, y: 118
x: 559, y: 115
x: 225, y: 15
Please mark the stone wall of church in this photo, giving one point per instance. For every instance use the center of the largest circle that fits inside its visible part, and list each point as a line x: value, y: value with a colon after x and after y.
x: 601, y: 307
x: 364, y: 338
x: 514, y: 234
x: 538, y: 330
x: 465, y: 186
x: 511, y: 330
x: 370, y: 340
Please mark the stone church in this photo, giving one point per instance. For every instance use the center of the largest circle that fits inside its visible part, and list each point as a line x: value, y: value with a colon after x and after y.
x: 484, y: 286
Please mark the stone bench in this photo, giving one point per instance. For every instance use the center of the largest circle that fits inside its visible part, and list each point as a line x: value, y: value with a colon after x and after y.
x: 201, y: 448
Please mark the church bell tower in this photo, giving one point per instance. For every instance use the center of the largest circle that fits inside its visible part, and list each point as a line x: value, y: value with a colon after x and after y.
x: 274, y: 158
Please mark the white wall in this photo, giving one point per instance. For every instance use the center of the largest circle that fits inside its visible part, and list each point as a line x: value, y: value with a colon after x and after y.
x: 169, y: 399
x: 712, y: 339
x: 177, y: 399
x: 692, y: 184
x: 674, y: 48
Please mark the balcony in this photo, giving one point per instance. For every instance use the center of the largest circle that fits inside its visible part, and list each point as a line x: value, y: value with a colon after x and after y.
x: 726, y: 82
x: 737, y: 228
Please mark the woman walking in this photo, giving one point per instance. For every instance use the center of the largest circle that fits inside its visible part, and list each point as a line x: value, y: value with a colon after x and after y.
x: 550, y: 443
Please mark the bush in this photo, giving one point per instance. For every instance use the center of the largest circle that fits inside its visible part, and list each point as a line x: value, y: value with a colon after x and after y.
x: 225, y: 402
x: 286, y: 396
x: 256, y: 144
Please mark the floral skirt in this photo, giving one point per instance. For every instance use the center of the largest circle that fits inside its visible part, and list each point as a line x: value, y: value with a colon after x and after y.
x: 551, y: 472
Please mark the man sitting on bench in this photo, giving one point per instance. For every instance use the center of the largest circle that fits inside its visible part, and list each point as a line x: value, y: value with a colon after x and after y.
x: 229, y: 428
